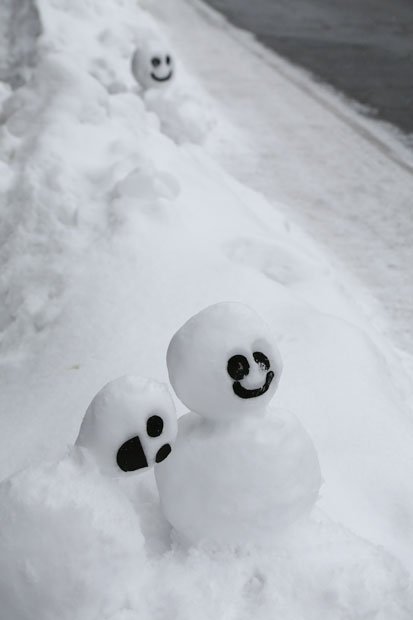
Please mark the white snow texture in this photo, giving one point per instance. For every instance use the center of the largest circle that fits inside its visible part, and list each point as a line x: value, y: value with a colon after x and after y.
x: 118, y: 223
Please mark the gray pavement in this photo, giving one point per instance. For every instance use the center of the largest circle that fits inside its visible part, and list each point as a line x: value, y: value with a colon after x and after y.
x: 362, y: 47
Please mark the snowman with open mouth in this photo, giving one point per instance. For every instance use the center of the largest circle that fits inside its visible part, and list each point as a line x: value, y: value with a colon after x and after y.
x: 129, y: 426
x: 240, y: 473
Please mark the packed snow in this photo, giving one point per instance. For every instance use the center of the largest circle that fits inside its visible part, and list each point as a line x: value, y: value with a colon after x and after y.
x: 117, y: 227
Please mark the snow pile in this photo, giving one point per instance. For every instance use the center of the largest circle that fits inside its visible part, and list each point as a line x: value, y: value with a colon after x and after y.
x: 324, y: 572
x: 70, y: 543
x: 57, y: 159
x: 66, y: 143
x: 72, y: 548
x: 113, y: 234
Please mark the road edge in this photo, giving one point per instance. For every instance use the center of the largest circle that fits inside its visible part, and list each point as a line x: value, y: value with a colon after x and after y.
x: 376, y: 132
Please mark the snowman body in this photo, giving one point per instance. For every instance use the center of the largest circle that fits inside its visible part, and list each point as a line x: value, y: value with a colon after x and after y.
x: 233, y: 483
x: 240, y: 472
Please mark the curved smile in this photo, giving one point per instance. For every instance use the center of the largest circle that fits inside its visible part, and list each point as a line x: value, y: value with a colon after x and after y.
x: 242, y: 392
x: 161, y: 79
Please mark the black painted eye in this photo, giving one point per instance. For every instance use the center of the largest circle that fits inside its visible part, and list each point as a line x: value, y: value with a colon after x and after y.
x: 238, y: 367
x: 156, y: 61
x: 131, y: 456
x: 154, y: 426
x: 168, y: 60
x: 262, y: 360
x: 163, y: 453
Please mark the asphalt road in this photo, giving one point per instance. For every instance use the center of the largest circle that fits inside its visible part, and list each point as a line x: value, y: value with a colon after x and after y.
x: 362, y: 47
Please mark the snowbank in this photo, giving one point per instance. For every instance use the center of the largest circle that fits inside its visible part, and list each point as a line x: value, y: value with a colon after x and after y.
x: 112, y: 235
x: 69, y: 543
x: 72, y: 547
x: 70, y: 134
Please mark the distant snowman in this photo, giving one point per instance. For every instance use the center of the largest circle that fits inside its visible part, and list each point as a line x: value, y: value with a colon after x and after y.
x: 152, y: 65
x: 239, y: 473
x: 129, y: 425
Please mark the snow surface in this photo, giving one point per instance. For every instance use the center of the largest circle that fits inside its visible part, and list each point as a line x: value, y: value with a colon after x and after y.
x: 63, y: 543
x: 345, y: 178
x: 117, y: 226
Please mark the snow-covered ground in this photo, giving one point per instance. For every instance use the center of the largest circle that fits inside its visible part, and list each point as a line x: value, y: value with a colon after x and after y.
x: 119, y: 222
x: 345, y: 178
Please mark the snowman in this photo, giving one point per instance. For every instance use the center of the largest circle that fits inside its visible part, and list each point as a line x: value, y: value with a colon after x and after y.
x: 240, y: 473
x: 129, y: 426
x: 152, y: 65
x: 71, y: 544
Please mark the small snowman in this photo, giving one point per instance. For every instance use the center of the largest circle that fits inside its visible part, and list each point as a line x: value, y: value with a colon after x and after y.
x: 152, y: 64
x: 239, y: 473
x: 70, y: 540
x: 129, y: 425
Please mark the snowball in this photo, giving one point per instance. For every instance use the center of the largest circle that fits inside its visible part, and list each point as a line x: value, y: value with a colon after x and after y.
x: 69, y: 543
x: 129, y: 425
x: 152, y: 64
x: 238, y: 483
x: 223, y: 362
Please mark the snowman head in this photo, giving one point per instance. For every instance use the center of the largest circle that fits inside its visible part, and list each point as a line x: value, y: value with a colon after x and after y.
x: 152, y: 65
x: 129, y: 425
x: 223, y: 363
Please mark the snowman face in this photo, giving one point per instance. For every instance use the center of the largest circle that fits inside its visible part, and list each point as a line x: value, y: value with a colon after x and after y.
x: 129, y: 426
x: 223, y: 362
x: 239, y: 367
x: 152, y: 66
x: 161, y: 67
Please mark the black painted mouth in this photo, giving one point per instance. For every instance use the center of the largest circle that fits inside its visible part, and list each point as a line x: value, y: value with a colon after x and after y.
x: 130, y: 456
x: 242, y: 392
x: 161, y: 79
